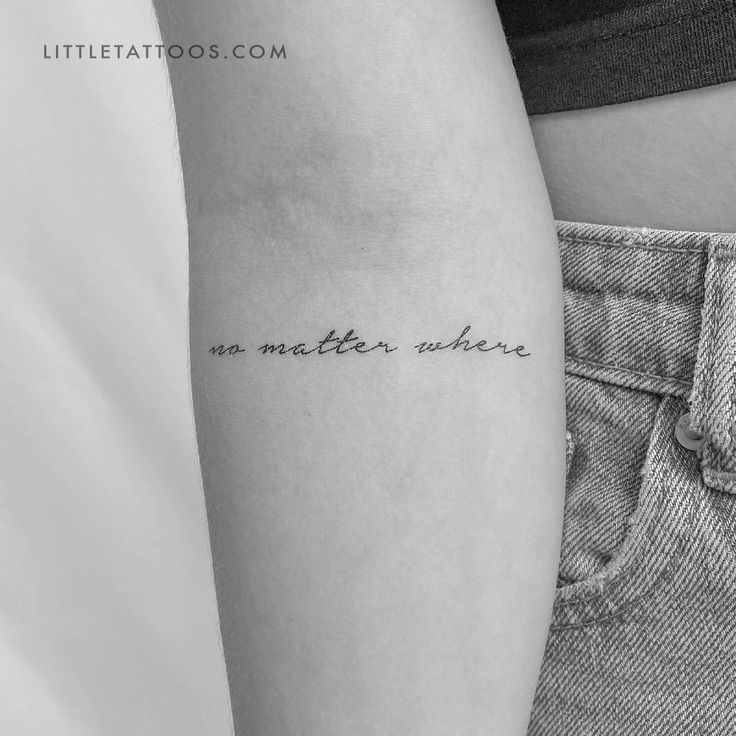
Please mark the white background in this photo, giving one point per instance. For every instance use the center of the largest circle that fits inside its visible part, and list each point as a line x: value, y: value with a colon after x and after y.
x: 108, y: 621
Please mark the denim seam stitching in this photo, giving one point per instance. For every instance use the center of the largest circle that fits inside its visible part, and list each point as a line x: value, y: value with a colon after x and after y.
x: 572, y: 240
x: 687, y: 300
x: 668, y: 573
x: 627, y: 370
x: 714, y: 475
x: 702, y: 390
x: 633, y: 565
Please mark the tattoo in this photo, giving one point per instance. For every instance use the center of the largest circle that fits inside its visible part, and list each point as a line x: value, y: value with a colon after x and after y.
x: 233, y: 349
x: 328, y: 344
x: 481, y: 346
x: 350, y: 342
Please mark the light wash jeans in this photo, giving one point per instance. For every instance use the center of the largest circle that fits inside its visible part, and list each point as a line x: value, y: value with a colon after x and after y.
x: 643, y: 634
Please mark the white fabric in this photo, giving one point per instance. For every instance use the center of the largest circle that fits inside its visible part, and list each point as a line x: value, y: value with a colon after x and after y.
x: 108, y: 621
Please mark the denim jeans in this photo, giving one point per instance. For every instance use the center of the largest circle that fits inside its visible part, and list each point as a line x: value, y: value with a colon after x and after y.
x: 643, y: 632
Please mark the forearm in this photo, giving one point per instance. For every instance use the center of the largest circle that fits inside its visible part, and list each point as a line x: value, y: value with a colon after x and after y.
x: 385, y: 523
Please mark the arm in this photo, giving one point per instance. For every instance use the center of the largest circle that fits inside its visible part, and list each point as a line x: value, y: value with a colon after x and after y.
x: 385, y: 525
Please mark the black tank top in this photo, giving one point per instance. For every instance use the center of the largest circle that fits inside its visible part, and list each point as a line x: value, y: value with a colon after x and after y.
x: 572, y: 54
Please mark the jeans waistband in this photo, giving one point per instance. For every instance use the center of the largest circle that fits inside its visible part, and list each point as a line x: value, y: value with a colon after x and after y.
x: 655, y: 310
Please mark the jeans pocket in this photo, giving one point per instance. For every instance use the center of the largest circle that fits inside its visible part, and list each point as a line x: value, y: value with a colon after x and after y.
x: 630, y: 497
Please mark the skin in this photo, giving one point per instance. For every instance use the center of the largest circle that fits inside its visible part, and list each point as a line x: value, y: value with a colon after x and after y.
x: 666, y: 162
x: 385, y: 526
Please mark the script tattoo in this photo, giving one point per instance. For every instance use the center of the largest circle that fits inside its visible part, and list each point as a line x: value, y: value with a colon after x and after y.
x: 351, y: 342
x: 329, y: 344
x: 233, y: 349
x: 464, y: 344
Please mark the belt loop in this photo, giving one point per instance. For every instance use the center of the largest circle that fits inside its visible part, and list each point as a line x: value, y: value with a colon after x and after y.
x: 713, y: 395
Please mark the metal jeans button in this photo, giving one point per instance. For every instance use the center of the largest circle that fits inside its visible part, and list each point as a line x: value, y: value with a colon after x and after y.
x: 685, y: 435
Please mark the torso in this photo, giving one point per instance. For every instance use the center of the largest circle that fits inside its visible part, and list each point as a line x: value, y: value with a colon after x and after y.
x: 667, y: 162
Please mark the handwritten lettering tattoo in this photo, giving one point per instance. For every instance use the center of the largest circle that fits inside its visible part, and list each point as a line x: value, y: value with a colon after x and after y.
x: 329, y: 344
x: 464, y: 344
x: 233, y: 349
x: 350, y: 342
